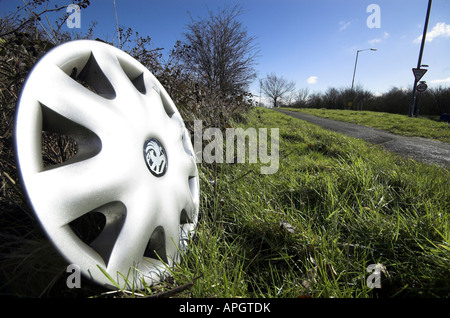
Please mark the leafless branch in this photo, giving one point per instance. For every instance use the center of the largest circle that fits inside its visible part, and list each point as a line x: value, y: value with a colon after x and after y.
x: 276, y: 87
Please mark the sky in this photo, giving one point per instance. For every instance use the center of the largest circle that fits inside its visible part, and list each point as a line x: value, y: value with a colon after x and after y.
x: 313, y: 43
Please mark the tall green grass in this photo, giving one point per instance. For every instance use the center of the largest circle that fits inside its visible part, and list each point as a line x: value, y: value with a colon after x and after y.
x: 335, y: 206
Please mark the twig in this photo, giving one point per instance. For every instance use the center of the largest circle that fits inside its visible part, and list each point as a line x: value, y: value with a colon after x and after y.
x: 122, y: 291
x: 245, y: 174
x: 37, y: 19
x: 117, y: 24
x: 10, y: 179
x: 174, y: 290
x: 51, y: 28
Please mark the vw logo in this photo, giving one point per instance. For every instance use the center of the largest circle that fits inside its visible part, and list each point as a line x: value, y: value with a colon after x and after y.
x: 155, y: 157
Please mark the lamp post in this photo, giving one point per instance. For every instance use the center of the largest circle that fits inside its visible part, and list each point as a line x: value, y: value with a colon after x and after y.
x: 260, y: 84
x: 356, y: 62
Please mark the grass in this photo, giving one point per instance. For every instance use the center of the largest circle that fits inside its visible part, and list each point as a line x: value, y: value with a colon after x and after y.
x: 395, y: 123
x: 335, y: 206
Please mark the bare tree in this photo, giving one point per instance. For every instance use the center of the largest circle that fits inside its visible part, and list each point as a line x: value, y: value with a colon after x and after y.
x: 301, y: 97
x: 221, y: 54
x: 276, y: 87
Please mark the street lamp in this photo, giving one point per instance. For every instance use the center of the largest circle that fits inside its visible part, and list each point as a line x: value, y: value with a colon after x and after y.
x: 260, y: 84
x: 356, y: 62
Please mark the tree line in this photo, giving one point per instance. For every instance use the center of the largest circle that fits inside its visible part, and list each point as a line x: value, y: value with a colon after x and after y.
x: 282, y: 93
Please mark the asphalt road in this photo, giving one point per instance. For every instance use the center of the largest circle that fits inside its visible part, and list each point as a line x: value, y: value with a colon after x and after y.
x: 421, y: 149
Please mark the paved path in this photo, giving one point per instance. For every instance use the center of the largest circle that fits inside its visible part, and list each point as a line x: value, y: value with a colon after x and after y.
x: 425, y: 150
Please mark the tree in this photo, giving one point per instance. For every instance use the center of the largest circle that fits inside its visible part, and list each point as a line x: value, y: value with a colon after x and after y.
x: 221, y: 54
x: 301, y: 97
x: 355, y: 98
x: 276, y: 87
x: 439, y: 101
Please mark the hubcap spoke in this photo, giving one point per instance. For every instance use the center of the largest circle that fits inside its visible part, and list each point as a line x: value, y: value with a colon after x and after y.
x: 65, y: 96
x: 66, y: 193
x: 114, y: 72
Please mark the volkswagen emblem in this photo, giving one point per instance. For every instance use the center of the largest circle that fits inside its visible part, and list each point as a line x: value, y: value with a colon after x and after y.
x: 155, y: 157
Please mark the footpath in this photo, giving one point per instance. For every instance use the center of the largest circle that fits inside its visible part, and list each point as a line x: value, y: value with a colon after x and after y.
x: 421, y: 149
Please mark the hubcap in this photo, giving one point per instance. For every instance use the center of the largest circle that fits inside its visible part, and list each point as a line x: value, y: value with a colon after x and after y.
x: 102, y: 208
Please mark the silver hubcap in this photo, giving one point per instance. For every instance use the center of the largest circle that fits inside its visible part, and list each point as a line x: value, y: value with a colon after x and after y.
x: 112, y: 107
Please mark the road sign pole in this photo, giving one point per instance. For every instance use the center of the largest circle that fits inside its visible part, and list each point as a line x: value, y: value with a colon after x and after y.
x: 421, y: 88
x: 412, y: 100
x: 417, y: 105
x: 419, y: 62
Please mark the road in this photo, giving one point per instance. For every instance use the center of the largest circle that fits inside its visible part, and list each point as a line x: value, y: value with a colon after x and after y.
x: 421, y: 149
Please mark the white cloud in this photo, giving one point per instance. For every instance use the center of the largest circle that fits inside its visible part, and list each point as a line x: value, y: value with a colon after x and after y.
x: 343, y: 25
x: 441, y: 29
x: 375, y: 41
x: 312, y: 80
x: 379, y: 39
x: 440, y: 81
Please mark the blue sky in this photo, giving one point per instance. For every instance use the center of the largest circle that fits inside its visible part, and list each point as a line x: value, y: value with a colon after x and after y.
x: 312, y: 43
